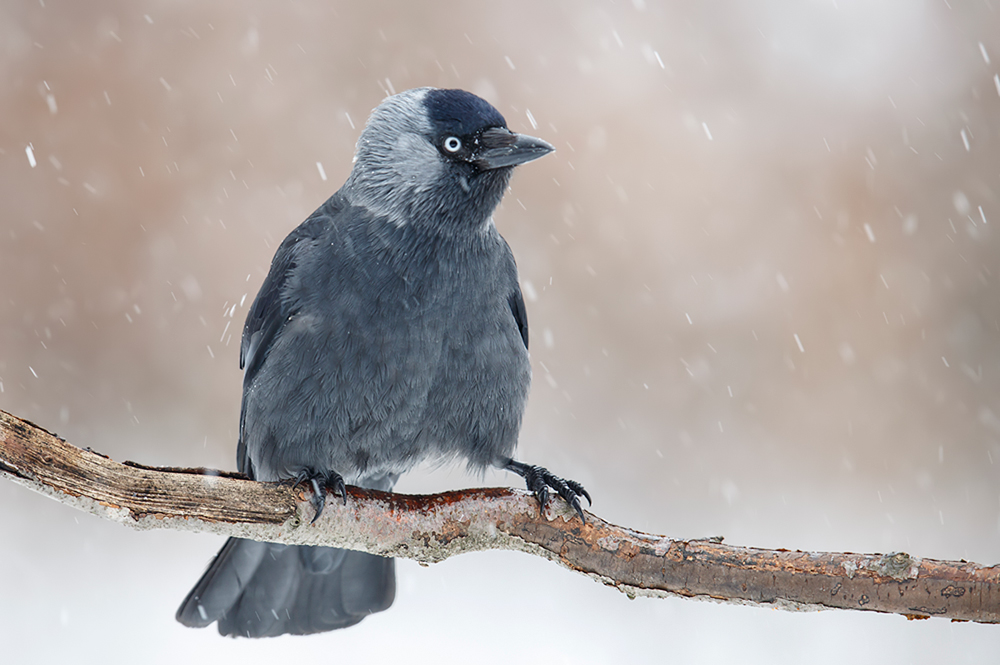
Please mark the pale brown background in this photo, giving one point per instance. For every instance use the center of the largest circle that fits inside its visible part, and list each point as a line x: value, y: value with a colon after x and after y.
x: 729, y: 175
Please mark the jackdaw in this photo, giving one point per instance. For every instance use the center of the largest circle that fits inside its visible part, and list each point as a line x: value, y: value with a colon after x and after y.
x: 389, y: 330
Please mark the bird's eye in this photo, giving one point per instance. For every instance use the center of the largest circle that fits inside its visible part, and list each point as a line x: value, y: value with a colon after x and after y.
x: 452, y: 144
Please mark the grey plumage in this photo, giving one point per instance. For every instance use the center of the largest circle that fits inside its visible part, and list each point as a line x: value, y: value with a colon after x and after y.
x: 389, y: 330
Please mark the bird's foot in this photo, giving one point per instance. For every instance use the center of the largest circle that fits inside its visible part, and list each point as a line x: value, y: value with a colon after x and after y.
x: 539, y: 480
x: 320, y: 482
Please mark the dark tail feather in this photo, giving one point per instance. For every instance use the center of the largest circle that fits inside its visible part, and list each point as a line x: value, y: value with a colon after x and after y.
x: 258, y: 589
x: 263, y: 589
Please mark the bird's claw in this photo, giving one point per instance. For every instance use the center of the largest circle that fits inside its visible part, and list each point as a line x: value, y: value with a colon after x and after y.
x: 539, y: 480
x: 320, y: 482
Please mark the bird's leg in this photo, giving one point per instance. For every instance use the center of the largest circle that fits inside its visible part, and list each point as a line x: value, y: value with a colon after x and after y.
x: 320, y: 482
x: 539, y: 480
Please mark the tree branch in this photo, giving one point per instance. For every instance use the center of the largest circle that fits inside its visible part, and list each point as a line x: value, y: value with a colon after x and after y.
x: 433, y: 528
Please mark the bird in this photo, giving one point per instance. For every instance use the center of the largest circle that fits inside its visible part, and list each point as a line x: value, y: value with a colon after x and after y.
x: 389, y: 330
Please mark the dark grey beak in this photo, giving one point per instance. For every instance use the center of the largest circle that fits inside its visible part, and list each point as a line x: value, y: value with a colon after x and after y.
x: 501, y: 147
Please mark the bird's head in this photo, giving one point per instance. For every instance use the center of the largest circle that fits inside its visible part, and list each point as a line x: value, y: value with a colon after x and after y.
x: 440, y: 159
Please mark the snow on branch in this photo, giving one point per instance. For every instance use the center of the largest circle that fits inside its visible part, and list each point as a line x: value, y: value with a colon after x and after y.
x: 433, y: 528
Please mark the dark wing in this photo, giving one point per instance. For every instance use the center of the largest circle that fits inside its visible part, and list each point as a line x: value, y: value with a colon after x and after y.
x: 269, y: 313
x: 516, y: 302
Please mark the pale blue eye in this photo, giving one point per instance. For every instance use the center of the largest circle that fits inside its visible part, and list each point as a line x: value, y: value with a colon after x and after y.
x: 452, y: 144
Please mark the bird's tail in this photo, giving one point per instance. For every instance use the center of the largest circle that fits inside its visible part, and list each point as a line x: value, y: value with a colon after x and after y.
x: 256, y: 589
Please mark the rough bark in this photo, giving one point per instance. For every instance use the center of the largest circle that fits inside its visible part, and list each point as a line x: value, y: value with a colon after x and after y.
x: 433, y: 528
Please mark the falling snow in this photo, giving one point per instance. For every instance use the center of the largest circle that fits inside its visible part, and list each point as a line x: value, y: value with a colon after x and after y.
x: 141, y: 192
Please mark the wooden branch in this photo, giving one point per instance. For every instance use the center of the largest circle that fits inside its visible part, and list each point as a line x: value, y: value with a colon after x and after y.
x: 433, y: 528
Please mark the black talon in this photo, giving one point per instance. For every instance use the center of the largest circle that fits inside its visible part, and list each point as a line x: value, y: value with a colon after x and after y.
x: 542, y: 492
x: 578, y: 488
x: 539, y: 480
x: 332, y: 481
x: 338, y: 486
x: 318, y: 498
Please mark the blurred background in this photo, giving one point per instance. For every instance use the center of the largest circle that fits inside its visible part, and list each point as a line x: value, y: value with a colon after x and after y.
x: 761, y: 274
